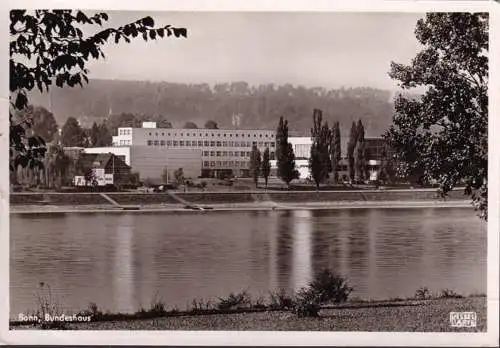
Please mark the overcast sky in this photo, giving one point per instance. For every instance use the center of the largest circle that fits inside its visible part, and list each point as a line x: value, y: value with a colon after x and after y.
x: 311, y: 49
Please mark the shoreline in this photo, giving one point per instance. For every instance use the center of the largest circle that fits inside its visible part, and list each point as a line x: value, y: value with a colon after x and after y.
x: 227, y: 207
x: 431, y: 315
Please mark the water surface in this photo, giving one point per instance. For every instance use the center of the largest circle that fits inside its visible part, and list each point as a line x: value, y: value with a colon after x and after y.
x: 123, y: 261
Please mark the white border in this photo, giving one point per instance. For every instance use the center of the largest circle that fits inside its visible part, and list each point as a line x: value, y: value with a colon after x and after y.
x: 222, y: 338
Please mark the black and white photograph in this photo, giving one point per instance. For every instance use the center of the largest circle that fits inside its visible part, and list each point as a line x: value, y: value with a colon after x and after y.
x: 249, y: 171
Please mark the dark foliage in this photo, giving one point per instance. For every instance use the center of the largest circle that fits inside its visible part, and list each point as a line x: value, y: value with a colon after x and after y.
x: 47, y: 48
x: 442, y: 136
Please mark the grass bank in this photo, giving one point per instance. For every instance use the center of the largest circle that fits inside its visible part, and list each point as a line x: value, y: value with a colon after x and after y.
x: 244, y: 197
x: 408, y: 315
x: 323, y: 304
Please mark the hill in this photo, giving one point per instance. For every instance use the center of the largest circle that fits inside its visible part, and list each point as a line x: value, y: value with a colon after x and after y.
x: 229, y: 104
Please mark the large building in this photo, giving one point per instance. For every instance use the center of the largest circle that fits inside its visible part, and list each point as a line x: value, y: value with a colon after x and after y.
x: 223, y: 151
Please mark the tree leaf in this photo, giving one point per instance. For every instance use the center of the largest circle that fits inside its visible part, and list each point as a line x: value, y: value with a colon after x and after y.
x: 148, y: 21
x: 21, y: 101
x: 180, y: 32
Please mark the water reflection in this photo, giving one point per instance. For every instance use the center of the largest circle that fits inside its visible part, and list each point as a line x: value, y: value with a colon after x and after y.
x: 283, y: 247
x: 302, y: 255
x: 122, y: 261
x: 123, y: 272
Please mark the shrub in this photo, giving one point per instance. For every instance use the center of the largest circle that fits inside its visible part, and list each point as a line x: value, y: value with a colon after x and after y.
x: 280, y: 300
x: 234, y: 301
x: 447, y: 293
x: 198, y: 306
x: 259, y: 303
x: 157, y: 307
x: 47, y: 304
x: 93, y: 311
x: 423, y: 293
x: 330, y: 287
x: 307, y: 303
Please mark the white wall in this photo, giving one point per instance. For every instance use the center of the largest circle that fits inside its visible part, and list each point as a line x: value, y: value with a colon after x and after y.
x: 117, y: 151
x: 150, y: 162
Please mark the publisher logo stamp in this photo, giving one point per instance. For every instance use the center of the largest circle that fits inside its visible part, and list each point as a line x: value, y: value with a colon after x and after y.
x: 463, y: 319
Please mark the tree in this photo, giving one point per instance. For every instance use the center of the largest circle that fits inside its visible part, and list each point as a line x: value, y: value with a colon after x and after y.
x: 351, y: 145
x: 211, y: 125
x: 90, y: 177
x: 335, y: 151
x: 105, y: 137
x: 116, y: 121
x: 190, y: 125
x: 319, y: 162
x: 44, y: 123
x: 179, y: 176
x: 387, y: 171
x: 281, y: 139
x: 442, y: 135
x: 266, y: 165
x: 48, y: 46
x: 287, y: 167
x: 162, y: 123
x: 94, y: 134
x: 285, y: 158
x: 135, y: 178
x: 72, y: 134
x: 59, y: 164
x: 99, y: 135
x: 360, y: 153
x: 254, y: 165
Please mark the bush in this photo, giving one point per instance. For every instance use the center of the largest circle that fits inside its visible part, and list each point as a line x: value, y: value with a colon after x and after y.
x: 93, y: 311
x: 326, y: 287
x: 447, y: 293
x: 423, y: 293
x: 234, y: 301
x: 198, y: 306
x: 280, y: 300
x: 157, y: 307
x: 330, y: 287
x: 307, y: 303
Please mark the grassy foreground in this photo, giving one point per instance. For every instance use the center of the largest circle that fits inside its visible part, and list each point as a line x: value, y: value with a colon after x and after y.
x: 397, y: 316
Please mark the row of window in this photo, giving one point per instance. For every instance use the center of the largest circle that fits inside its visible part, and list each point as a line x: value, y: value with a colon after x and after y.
x: 206, y: 143
x: 230, y: 135
x: 124, y: 131
x: 225, y: 164
x: 230, y: 154
x: 125, y: 142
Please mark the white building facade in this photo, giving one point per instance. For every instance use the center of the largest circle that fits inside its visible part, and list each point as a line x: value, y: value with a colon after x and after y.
x: 223, y: 151
x: 153, y: 163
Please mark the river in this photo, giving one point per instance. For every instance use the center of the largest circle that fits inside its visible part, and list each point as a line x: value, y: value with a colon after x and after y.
x: 124, y: 261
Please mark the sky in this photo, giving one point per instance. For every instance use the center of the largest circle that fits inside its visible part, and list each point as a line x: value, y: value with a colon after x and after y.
x: 327, y: 49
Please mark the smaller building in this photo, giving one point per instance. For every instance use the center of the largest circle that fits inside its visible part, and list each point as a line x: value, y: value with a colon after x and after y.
x: 100, y: 170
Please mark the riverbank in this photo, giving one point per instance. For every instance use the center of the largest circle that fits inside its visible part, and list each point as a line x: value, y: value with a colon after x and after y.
x: 229, y: 201
x: 179, y: 208
x: 394, y: 316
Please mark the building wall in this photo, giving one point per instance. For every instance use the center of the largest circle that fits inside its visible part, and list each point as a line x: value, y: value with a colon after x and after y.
x: 221, y: 149
x: 122, y: 152
x: 151, y: 162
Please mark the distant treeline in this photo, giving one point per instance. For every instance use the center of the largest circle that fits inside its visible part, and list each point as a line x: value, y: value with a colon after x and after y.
x: 228, y: 104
